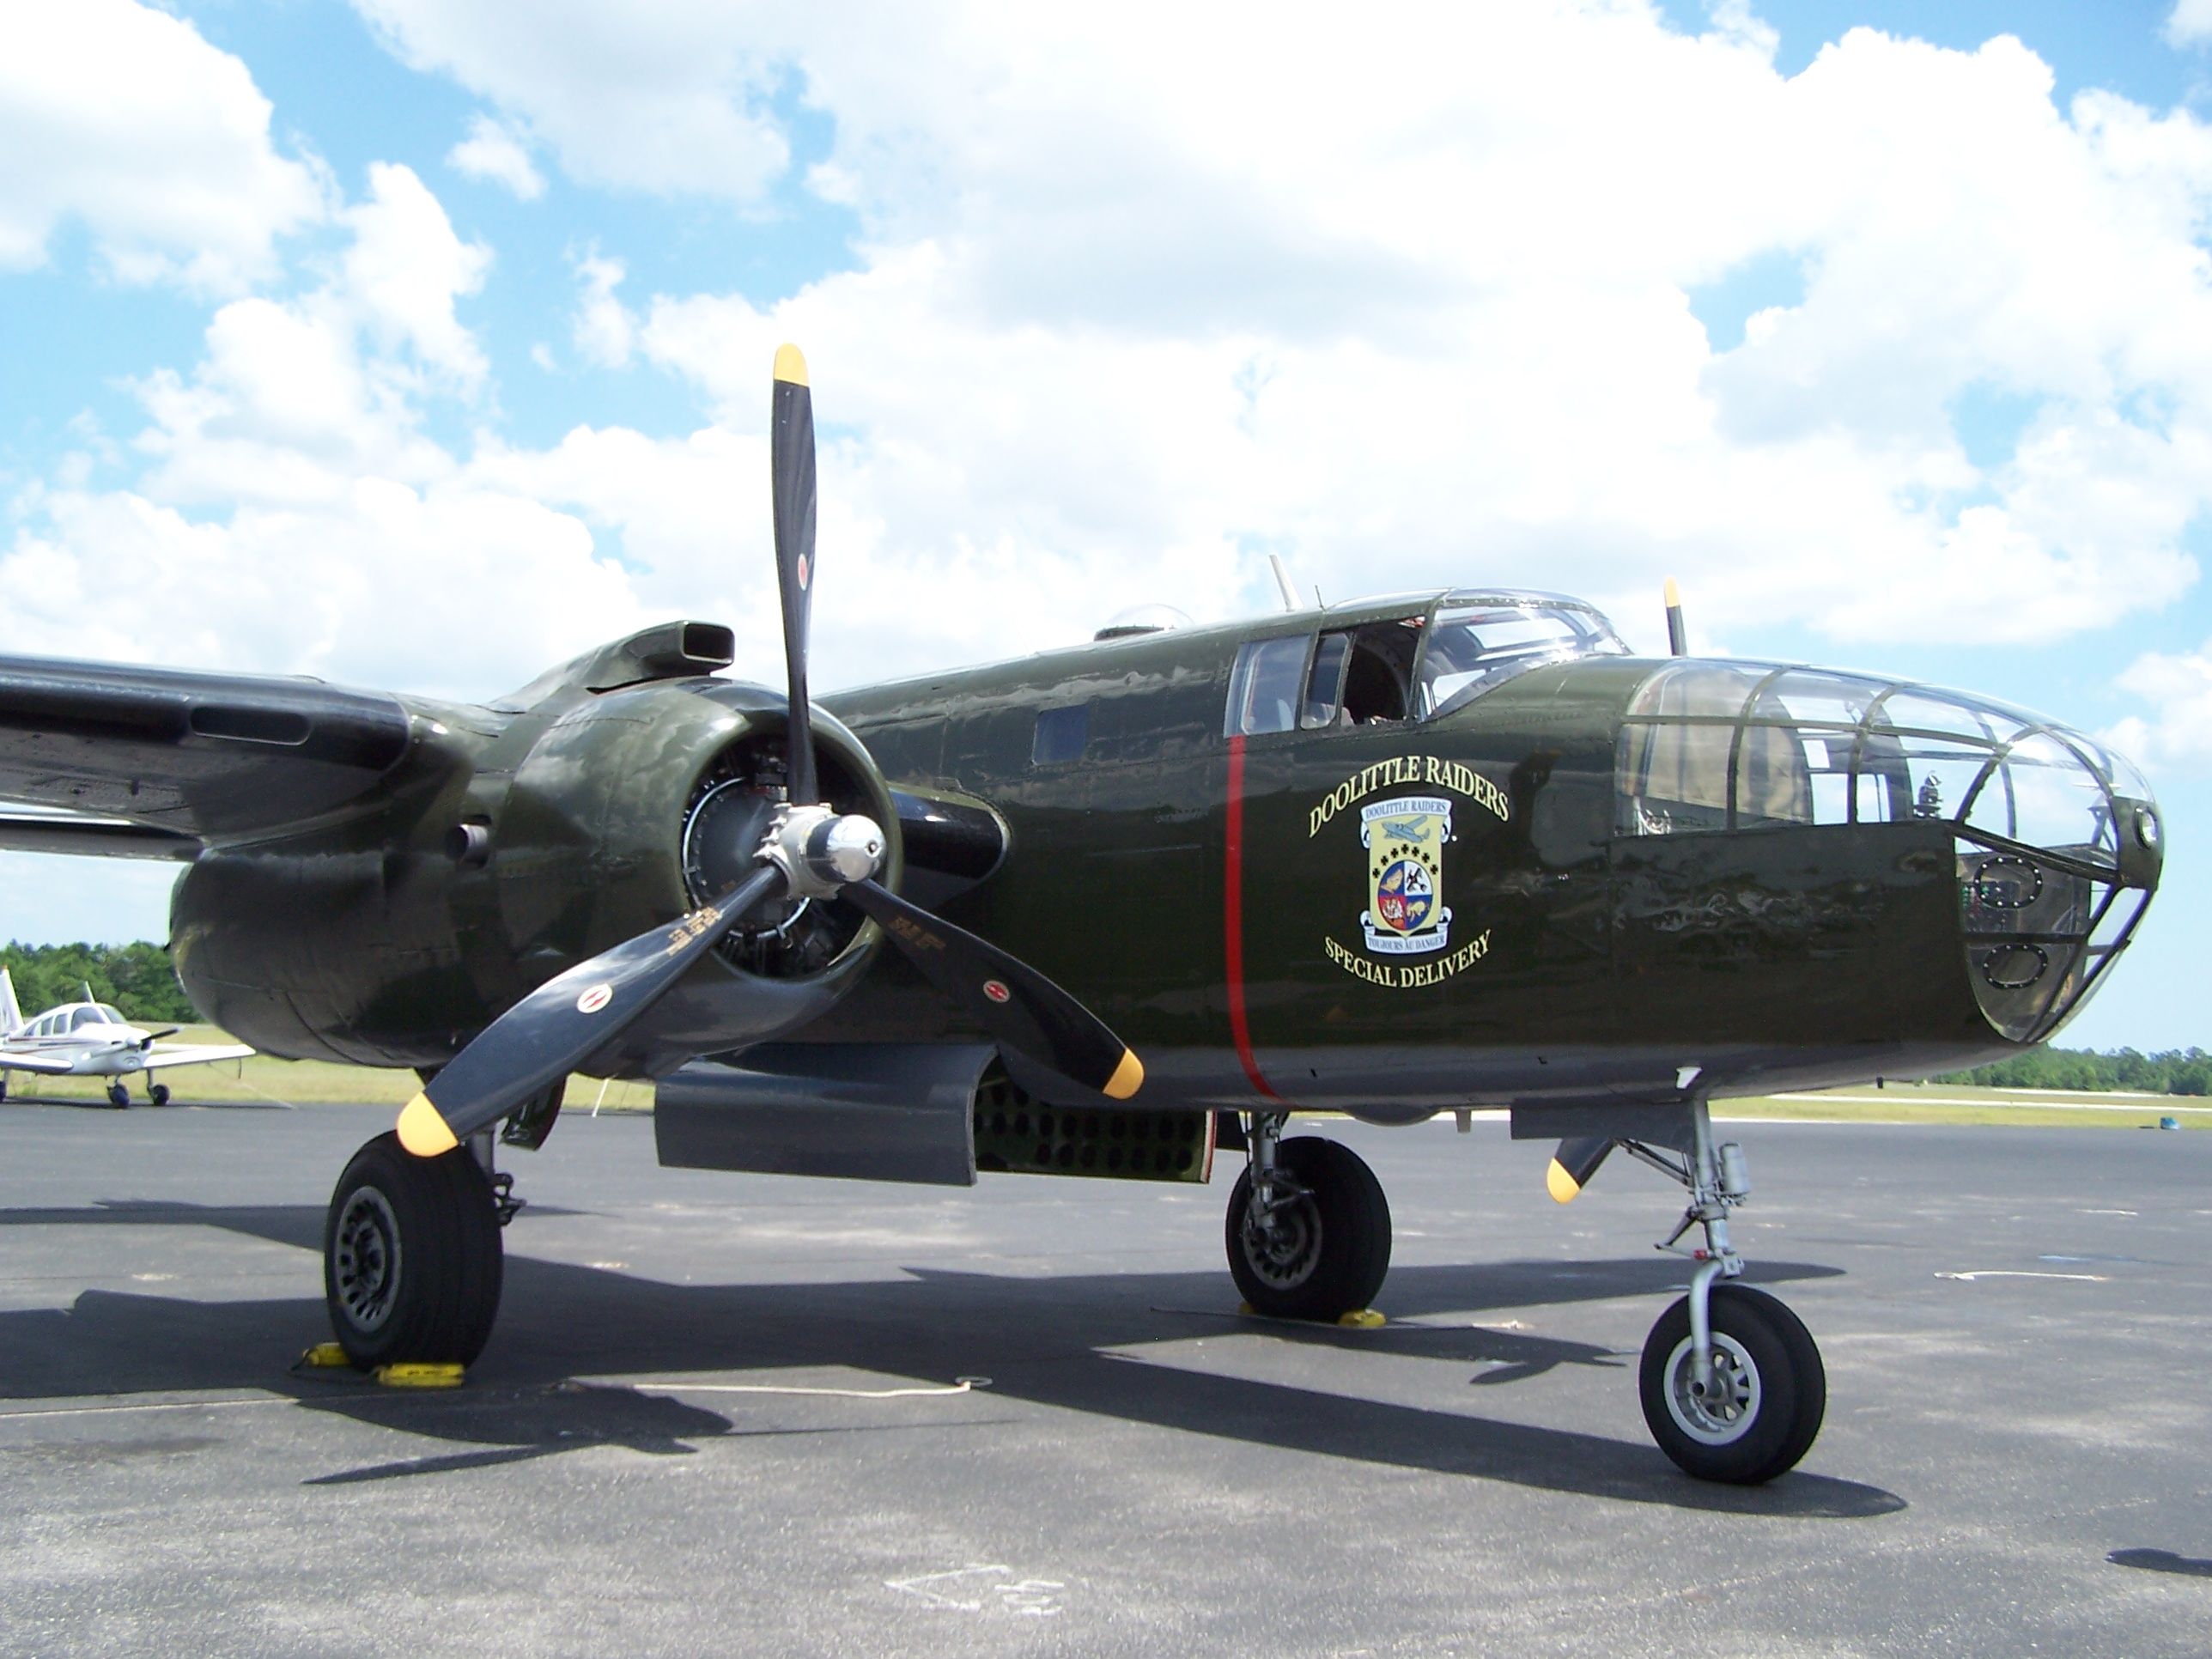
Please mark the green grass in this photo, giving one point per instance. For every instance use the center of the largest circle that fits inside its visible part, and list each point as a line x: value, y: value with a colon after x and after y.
x: 313, y: 1083
x: 292, y: 1082
x: 1952, y: 1102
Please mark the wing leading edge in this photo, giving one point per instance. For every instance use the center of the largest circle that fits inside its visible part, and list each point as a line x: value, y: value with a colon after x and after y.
x: 187, y: 756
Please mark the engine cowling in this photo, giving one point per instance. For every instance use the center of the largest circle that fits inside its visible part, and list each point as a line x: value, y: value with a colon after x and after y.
x: 509, y: 850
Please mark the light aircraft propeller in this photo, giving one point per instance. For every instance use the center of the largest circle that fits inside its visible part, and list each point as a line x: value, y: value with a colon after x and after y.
x: 811, y: 852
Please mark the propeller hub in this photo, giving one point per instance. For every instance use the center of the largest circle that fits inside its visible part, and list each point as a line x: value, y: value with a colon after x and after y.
x: 821, y: 851
x: 847, y: 848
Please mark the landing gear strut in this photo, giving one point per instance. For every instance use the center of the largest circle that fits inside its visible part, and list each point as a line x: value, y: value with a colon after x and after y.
x: 411, y: 1258
x: 1308, y: 1229
x: 1732, y: 1383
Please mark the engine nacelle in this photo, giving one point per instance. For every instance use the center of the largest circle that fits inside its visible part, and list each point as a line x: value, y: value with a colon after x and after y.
x: 509, y: 849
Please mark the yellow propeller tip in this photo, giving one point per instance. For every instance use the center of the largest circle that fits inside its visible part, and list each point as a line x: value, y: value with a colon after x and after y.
x: 1674, y: 595
x: 1563, y: 1187
x: 1128, y: 1077
x: 790, y: 365
x: 423, y: 1130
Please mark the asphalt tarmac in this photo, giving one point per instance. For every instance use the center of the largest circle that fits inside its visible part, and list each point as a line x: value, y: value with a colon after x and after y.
x: 723, y: 1415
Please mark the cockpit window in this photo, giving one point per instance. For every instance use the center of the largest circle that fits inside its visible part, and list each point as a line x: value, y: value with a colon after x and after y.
x: 84, y: 1017
x: 1473, y: 647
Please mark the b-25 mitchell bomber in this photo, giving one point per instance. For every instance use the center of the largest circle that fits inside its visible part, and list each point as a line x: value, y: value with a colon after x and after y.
x: 1106, y: 910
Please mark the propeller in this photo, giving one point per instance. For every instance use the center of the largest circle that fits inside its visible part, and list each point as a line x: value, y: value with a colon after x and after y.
x: 811, y: 852
x: 1677, y: 634
x: 791, y: 464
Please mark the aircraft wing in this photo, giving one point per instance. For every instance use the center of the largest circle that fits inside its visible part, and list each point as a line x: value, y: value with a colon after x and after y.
x: 191, y: 1054
x: 10, y: 1060
x: 188, y: 757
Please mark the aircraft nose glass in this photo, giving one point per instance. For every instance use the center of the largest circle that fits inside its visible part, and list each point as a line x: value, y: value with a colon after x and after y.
x: 2058, y: 841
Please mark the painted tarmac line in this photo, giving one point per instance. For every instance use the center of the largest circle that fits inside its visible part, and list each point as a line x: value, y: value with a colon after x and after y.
x: 961, y: 1385
x: 153, y: 1405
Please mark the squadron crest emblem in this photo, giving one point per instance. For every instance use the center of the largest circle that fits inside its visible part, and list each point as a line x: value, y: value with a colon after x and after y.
x: 1404, y: 840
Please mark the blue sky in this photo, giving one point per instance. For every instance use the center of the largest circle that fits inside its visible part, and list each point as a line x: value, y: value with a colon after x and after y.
x: 1895, y: 347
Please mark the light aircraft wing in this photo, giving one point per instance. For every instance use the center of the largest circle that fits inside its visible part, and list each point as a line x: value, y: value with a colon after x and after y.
x: 10, y: 1060
x: 153, y: 762
x: 191, y: 1054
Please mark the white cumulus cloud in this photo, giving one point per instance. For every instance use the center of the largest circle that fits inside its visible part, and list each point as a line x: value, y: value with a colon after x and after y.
x: 496, y: 152
x: 122, y: 118
x: 1412, y: 303
x: 2189, y: 23
x: 675, y: 97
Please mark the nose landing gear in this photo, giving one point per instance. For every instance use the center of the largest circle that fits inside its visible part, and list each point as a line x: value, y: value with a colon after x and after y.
x: 1731, y: 1382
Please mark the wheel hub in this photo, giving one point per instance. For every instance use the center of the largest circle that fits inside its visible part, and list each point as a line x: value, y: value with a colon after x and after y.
x: 1722, y: 1409
x: 365, y: 1258
x: 1284, y: 1255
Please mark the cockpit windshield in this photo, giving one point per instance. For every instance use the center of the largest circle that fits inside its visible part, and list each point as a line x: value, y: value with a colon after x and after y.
x: 1478, y: 640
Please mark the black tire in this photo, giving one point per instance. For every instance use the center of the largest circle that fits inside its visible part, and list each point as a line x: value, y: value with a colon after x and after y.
x: 117, y: 1096
x: 159, y: 1094
x: 411, y: 1259
x: 1778, y: 1393
x: 1333, y: 1246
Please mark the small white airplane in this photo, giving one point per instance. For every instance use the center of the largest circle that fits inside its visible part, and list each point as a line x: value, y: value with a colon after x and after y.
x: 91, y: 1039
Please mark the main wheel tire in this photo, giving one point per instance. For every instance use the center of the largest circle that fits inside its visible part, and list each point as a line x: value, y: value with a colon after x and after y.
x: 1772, y: 1396
x: 411, y: 1259
x: 159, y: 1094
x: 117, y: 1096
x: 1330, y: 1248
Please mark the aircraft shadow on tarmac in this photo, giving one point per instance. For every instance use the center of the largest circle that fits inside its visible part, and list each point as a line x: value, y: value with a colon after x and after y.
x: 2187, y: 1566
x: 1058, y: 1341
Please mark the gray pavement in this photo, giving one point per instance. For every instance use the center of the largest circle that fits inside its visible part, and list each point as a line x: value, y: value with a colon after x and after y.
x: 680, y: 1440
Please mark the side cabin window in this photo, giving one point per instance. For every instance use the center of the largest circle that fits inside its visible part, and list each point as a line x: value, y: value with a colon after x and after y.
x: 1061, y: 734
x: 1265, y: 690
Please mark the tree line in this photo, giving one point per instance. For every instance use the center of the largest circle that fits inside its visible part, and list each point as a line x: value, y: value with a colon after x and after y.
x: 2168, y: 1072
x: 135, y: 979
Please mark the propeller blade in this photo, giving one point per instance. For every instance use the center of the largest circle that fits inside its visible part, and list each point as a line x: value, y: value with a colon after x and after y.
x: 1678, y: 635
x: 547, y: 1034
x: 153, y: 1037
x: 1016, y: 1004
x: 1573, y: 1165
x: 791, y: 464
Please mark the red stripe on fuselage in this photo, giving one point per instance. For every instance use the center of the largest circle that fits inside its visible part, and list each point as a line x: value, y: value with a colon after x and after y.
x: 1232, y: 921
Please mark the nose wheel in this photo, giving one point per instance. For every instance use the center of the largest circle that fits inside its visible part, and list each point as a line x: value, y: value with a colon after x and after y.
x: 1731, y: 1383
x: 1755, y: 1412
x: 1309, y: 1229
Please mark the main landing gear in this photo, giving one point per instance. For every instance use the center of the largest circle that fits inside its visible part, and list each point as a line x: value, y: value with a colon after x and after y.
x: 411, y: 1257
x: 1732, y: 1384
x: 1309, y: 1231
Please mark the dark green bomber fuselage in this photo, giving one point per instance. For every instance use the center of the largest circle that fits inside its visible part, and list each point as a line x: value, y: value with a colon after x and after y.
x: 1579, y: 961
x: 1203, y: 893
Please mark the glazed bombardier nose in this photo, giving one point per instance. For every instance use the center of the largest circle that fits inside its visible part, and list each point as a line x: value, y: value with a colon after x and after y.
x: 2059, y: 843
